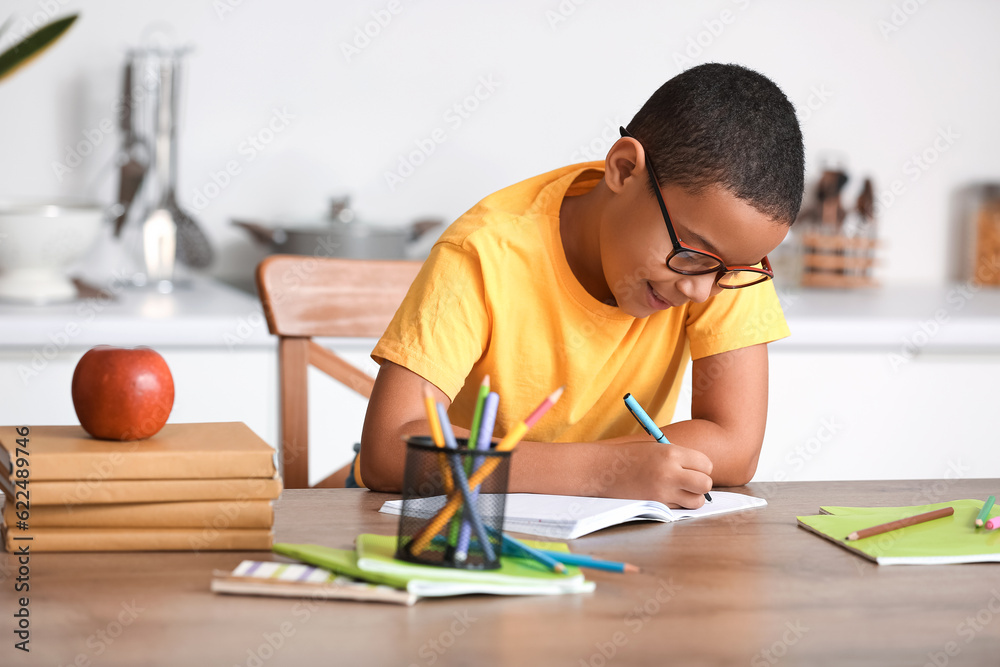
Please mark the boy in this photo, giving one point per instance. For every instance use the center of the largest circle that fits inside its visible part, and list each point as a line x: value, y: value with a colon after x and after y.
x: 605, y: 278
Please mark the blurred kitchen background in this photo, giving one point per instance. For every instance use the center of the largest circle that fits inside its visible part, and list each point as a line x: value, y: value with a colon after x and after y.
x: 415, y: 111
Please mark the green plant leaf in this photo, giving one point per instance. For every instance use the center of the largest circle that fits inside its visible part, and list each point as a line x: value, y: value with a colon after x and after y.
x: 32, y: 45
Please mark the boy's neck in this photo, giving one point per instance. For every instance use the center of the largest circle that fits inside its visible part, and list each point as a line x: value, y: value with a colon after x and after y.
x: 580, y: 231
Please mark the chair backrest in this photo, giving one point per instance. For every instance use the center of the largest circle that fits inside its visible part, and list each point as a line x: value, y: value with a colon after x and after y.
x: 303, y: 297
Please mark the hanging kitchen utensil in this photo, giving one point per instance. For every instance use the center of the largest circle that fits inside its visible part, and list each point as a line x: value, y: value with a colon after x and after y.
x: 134, y: 153
x: 193, y: 247
x: 159, y: 230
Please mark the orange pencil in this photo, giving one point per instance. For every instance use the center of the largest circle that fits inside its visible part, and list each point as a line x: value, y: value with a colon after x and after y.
x: 424, y: 537
x: 901, y: 523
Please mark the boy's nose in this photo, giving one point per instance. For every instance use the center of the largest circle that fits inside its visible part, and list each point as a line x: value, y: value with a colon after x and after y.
x: 698, y: 288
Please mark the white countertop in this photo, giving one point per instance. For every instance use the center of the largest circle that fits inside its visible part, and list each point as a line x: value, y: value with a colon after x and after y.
x: 958, y: 318
x: 206, y: 314
x: 210, y: 314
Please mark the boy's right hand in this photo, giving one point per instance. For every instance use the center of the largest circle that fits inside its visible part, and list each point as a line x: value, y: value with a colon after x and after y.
x: 670, y: 473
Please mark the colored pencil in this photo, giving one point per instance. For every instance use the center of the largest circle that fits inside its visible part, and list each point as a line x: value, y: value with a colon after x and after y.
x: 648, y: 425
x: 484, y: 390
x: 581, y: 560
x: 509, y: 442
x: 566, y: 558
x: 537, y: 554
x: 544, y: 407
x: 984, y: 513
x: 482, y: 444
x: 463, y: 485
x: 901, y: 523
x: 437, y: 436
x: 993, y: 523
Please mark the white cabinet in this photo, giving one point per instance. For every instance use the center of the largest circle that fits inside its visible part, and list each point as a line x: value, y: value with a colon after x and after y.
x: 888, y: 384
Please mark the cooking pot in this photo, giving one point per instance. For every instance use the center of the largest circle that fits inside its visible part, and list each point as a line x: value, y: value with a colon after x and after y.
x: 340, y: 235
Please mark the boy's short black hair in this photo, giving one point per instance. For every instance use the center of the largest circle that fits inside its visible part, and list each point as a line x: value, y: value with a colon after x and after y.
x: 730, y: 126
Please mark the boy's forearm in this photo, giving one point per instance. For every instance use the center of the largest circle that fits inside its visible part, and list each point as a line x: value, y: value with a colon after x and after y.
x: 570, y: 468
x: 575, y: 468
x: 578, y: 469
x: 383, y: 455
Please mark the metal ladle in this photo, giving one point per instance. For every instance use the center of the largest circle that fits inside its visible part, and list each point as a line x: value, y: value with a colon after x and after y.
x: 168, y: 231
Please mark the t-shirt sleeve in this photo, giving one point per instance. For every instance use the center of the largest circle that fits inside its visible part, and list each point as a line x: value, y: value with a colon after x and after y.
x: 442, y: 327
x: 735, y: 318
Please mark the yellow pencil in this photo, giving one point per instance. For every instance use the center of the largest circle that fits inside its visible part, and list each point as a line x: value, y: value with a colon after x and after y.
x: 437, y: 435
x: 424, y: 537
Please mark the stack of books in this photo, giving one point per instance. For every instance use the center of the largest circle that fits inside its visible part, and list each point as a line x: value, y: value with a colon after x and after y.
x: 191, y: 487
x: 371, y: 572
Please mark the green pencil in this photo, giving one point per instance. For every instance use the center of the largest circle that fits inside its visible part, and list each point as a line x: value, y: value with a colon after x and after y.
x: 984, y: 513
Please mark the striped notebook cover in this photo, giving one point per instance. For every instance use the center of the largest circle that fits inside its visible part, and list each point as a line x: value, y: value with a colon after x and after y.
x: 270, y: 578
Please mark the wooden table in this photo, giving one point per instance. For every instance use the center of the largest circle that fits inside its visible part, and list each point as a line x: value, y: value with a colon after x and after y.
x: 744, y: 589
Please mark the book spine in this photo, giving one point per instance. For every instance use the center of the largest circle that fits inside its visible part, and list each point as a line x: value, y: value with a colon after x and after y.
x: 151, y: 465
x: 98, y: 492
x: 209, y: 514
x: 124, y: 539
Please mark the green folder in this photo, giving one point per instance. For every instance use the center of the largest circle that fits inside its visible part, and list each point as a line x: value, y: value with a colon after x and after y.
x: 374, y: 562
x: 341, y: 561
x: 516, y: 576
x: 952, y: 539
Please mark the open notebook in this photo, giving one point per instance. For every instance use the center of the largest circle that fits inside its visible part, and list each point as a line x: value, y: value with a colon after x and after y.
x: 569, y: 517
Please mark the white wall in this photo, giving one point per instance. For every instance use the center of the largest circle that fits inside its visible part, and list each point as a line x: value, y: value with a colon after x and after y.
x: 875, y: 81
x: 883, y: 82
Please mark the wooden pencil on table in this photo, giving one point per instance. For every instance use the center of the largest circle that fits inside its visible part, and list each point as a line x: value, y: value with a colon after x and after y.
x: 901, y: 523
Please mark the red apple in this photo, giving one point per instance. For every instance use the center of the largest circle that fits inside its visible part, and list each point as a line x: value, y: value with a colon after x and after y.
x: 122, y: 393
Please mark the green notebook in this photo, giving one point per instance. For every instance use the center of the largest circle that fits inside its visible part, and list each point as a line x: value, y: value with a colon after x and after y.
x: 516, y: 576
x: 952, y: 539
x: 428, y: 581
x: 341, y: 561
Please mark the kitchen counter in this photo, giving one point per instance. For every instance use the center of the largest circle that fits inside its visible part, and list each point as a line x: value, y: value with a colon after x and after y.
x: 206, y: 314
x: 959, y: 318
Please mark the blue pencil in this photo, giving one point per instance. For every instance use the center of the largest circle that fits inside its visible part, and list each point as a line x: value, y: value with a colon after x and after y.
x: 539, y: 555
x: 649, y: 425
x: 513, y: 547
x: 582, y: 560
x: 485, y: 436
x: 458, y: 472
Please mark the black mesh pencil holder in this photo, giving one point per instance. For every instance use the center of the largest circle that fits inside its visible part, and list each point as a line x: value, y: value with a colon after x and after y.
x: 464, y: 539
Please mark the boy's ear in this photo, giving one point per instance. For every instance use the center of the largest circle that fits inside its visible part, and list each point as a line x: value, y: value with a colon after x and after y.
x: 624, y: 161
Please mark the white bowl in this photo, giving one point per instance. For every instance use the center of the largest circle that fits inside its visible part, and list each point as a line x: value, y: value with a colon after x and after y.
x: 38, y: 242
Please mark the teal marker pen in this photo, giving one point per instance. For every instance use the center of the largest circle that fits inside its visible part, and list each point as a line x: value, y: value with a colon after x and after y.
x: 648, y: 424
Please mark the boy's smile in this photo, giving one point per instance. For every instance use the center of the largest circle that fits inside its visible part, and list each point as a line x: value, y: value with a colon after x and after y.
x: 634, y: 249
x: 617, y: 243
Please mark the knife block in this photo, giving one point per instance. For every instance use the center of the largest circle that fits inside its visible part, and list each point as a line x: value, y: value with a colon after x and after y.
x: 838, y: 261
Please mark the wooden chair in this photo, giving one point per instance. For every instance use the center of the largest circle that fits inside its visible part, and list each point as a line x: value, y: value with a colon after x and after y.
x: 303, y: 297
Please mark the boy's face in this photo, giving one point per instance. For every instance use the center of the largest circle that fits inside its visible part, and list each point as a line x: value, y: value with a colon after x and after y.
x: 635, y: 242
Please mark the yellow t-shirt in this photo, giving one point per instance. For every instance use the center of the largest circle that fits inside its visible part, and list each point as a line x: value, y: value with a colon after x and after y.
x: 496, y: 296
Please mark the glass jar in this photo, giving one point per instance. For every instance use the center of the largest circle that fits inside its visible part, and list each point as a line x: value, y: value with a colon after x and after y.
x: 984, y: 264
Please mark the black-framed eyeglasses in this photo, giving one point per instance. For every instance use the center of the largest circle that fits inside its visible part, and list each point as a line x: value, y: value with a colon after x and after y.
x: 690, y: 261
